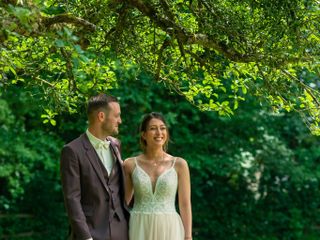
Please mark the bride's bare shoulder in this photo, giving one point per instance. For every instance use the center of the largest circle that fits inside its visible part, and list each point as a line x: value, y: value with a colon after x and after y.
x: 181, y: 164
x: 129, y: 164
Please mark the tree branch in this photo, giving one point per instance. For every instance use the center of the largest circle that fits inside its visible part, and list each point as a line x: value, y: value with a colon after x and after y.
x: 167, y: 10
x: 72, y: 82
x: 205, y: 41
x: 304, y: 86
x: 165, y: 44
x: 68, y: 18
x: 186, y: 37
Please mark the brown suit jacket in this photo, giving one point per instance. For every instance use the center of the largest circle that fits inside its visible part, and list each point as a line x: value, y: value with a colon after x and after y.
x: 88, y: 197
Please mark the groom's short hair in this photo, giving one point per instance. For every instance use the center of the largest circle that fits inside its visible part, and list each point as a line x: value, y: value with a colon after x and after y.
x: 99, y: 103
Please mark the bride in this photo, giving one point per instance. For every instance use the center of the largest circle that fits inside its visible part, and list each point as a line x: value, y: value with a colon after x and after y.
x: 154, y: 178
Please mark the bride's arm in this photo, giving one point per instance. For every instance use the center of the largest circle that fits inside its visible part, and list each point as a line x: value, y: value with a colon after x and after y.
x: 184, y: 195
x: 128, y: 166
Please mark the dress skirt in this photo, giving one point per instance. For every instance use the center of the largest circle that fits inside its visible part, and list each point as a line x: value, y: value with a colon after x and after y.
x: 155, y: 226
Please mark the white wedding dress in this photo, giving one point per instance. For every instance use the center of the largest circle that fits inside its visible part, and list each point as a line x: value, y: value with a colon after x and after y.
x: 154, y: 216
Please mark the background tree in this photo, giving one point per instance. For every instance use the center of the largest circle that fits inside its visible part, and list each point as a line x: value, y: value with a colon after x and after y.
x: 211, y: 52
x: 255, y: 176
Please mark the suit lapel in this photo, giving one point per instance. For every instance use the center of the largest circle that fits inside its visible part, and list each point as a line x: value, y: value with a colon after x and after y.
x: 94, y: 160
x: 115, y: 151
x: 115, y: 155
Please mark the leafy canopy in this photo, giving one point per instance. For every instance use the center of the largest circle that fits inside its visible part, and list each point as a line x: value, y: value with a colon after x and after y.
x: 212, y: 52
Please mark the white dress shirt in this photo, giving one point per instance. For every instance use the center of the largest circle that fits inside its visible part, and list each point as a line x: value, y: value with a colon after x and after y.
x: 103, y: 151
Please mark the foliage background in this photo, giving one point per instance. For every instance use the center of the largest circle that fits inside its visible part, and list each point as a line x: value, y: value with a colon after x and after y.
x: 224, y: 155
x: 255, y: 174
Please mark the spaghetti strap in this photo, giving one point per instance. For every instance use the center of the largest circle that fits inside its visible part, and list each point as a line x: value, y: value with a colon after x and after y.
x: 174, y: 161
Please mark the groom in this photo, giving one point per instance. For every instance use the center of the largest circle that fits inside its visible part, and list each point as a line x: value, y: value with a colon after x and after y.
x: 92, y: 177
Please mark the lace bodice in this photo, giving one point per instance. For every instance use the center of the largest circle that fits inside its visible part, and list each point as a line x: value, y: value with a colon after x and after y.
x: 159, y: 200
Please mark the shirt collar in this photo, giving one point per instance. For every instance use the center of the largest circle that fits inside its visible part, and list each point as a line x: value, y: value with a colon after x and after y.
x: 96, y: 142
